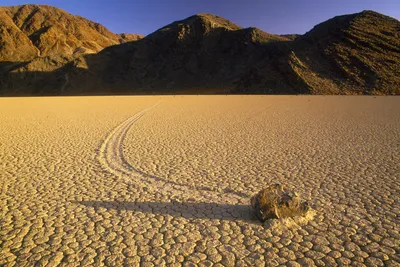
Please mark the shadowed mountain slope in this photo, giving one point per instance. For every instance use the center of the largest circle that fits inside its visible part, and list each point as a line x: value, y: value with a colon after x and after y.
x: 351, y: 54
x: 203, y: 53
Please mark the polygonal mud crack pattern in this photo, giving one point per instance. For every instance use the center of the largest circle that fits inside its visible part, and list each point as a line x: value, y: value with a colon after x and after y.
x: 112, y: 158
x: 62, y: 208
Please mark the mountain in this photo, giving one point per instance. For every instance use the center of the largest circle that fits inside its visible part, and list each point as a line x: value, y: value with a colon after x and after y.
x: 30, y: 31
x: 357, y: 54
x: 203, y: 53
x: 290, y: 36
x: 350, y: 54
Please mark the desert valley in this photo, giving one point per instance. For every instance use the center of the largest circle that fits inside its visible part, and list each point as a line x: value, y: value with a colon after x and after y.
x: 108, y: 157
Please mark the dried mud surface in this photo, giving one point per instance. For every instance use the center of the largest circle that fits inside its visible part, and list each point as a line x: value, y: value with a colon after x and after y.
x: 153, y: 181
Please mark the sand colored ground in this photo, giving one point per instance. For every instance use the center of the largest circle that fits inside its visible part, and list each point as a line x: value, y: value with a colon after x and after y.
x: 167, y: 180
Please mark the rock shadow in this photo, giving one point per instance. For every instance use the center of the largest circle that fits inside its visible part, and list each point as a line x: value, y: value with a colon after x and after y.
x: 225, y: 190
x: 188, y: 210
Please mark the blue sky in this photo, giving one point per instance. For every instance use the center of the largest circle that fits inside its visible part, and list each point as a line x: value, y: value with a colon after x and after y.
x: 279, y: 17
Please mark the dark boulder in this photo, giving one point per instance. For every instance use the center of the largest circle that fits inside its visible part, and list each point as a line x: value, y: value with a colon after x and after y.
x: 274, y: 202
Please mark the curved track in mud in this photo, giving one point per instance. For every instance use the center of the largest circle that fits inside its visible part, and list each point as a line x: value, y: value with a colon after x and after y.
x: 112, y: 158
x: 61, y: 206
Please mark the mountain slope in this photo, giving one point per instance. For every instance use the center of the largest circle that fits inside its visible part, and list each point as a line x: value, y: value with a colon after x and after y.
x: 203, y: 53
x: 40, y: 30
x: 14, y: 44
x: 350, y: 54
x: 39, y: 44
x: 357, y: 54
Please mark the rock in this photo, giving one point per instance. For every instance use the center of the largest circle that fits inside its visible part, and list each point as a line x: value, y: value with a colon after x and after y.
x: 274, y: 202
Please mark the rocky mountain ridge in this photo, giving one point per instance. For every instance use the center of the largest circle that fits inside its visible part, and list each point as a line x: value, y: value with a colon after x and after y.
x: 31, y: 31
x: 46, y: 51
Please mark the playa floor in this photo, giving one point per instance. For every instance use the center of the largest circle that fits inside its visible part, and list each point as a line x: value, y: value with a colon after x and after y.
x: 167, y: 181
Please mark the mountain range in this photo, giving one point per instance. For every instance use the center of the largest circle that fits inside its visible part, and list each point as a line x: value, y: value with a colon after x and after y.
x: 47, y: 51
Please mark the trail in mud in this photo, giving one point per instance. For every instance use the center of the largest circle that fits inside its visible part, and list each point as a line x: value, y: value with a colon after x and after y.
x: 112, y: 158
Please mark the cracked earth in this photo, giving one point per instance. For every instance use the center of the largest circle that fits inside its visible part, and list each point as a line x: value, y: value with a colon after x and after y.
x: 166, y: 181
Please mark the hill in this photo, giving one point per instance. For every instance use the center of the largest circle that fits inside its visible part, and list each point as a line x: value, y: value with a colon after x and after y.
x: 357, y: 54
x: 38, y: 30
x: 201, y: 54
x: 350, y: 54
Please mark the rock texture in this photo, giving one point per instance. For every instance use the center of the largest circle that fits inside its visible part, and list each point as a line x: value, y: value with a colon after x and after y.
x: 29, y: 31
x: 40, y: 45
x: 46, y: 51
x: 357, y: 53
x: 275, y: 201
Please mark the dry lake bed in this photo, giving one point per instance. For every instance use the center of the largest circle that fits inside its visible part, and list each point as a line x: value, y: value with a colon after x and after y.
x: 166, y: 181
